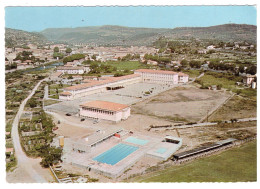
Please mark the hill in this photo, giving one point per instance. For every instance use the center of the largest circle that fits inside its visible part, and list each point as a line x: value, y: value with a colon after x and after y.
x: 226, y: 32
x: 126, y: 36
x: 15, y: 37
x: 104, y: 35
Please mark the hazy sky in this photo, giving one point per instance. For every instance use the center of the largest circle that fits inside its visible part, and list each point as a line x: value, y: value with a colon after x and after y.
x: 40, y: 18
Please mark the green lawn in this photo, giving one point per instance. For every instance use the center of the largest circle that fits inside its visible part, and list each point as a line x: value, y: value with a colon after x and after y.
x: 130, y: 65
x: 211, y: 80
x: 235, y: 165
x: 192, y: 73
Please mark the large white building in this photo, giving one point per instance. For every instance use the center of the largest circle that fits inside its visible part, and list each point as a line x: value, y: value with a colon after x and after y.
x: 104, y: 110
x: 111, y: 83
x: 162, y: 77
x: 71, y: 70
x: 97, y: 86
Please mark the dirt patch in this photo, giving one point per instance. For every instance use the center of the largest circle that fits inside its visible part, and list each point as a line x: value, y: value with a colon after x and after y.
x: 188, y: 104
x: 237, y: 107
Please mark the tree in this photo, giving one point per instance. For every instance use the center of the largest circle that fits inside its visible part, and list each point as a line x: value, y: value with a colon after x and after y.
x: 68, y: 50
x: 32, y: 103
x: 251, y: 70
x: 70, y: 77
x: 56, y: 50
x: 184, y: 63
x: 241, y: 69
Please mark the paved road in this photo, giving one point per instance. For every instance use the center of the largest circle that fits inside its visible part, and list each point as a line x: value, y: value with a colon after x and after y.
x: 24, y: 163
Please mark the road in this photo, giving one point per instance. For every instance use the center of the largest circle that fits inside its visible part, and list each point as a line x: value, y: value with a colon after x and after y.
x: 28, y: 169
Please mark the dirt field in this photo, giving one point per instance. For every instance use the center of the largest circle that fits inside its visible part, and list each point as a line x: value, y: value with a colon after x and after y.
x: 237, y: 107
x: 188, y: 104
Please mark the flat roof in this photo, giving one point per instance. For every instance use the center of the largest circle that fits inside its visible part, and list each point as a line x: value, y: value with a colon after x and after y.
x: 105, y: 105
x: 107, y: 80
x: 196, y: 150
x: 70, y: 68
x: 98, y: 137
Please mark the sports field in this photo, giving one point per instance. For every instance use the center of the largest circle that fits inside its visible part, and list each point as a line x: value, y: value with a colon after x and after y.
x: 235, y: 165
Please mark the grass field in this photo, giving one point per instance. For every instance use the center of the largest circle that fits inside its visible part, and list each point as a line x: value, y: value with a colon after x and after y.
x: 192, y: 73
x: 130, y: 65
x: 235, y: 165
x: 237, y: 107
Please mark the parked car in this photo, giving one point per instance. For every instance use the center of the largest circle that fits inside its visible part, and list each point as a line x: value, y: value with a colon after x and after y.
x: 68, y: 114
x: 82, y: 119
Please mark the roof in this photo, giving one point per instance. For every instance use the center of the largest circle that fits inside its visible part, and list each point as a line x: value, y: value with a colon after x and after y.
x: 105, y: 105
x: 9, y: 150
x: 161, y: 72
x: 226, y: 141
x: 66, y: 93
x: 92, y: 83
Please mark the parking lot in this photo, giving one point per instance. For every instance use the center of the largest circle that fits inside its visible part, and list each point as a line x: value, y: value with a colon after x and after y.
x: 128, y: 95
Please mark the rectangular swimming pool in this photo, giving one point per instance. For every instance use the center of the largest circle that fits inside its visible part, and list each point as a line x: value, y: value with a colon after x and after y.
x: 134, y: 140
x: 115, y: 154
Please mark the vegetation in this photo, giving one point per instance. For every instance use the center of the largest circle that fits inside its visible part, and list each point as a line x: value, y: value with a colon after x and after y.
x: 234, y: 165
x: 73, y: 57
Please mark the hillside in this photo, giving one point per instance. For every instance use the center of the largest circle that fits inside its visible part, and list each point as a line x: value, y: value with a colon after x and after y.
x: 20, y: 37
x: 127, y: 36
x: 104, y: 35
x: 226, y: 32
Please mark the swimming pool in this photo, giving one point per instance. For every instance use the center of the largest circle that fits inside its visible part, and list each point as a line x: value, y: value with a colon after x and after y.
x: 115, y: 154
x: 134, y: 140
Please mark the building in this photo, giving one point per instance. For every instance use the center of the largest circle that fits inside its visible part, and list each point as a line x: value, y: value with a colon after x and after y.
x: 105, y: 110
x: 98, y: 86
x: 71, y: 70
x: 162, y: 77
x: 248, y: 79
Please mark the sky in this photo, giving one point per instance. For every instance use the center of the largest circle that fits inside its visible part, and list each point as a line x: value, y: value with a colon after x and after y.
x: 40, y: 18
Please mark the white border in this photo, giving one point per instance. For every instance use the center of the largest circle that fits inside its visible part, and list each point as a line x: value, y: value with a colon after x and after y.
x: 4, y: 3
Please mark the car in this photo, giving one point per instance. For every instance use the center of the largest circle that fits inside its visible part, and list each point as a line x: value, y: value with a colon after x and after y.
x: 95, y: 121
x: 82, y: 119
x: 68, y: 114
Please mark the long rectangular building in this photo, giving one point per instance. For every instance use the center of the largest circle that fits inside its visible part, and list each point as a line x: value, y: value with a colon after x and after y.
x: 97, y: 86
x: 162, y: 76
x: 105, y: 110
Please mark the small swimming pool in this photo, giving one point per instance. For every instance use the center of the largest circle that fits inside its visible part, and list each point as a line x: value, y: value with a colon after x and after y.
x: 161, y: 150
x: 115, y: 154
x: 134, y: 140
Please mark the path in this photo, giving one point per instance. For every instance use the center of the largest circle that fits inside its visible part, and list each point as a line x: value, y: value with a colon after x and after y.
x: 28, y: 169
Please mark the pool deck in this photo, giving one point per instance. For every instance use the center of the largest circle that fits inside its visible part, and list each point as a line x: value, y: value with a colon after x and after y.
x: 85, y: 160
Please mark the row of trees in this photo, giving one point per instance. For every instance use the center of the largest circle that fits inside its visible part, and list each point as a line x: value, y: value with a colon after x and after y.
x: 97, y: 68
x: 73, y: 57
x: 159, y: 59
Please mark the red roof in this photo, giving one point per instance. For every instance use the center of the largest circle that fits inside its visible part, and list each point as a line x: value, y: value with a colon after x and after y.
x: 105, y: 105
x: 65, y: 94
x: 92, y: 83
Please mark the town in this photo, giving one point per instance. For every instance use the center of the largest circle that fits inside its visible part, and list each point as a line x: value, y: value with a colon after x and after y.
x: 79, y: 112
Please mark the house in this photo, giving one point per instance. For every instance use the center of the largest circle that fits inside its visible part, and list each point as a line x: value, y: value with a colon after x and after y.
x: 248, y: 79
x: 71, y: 70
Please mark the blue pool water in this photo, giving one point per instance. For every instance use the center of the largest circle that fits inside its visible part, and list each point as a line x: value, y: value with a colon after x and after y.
x: 134, y: 140
x: 115, y: 154
x: 161, y: 150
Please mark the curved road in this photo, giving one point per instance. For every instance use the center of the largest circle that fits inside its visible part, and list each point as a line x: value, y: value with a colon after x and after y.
x: 29, y: 166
